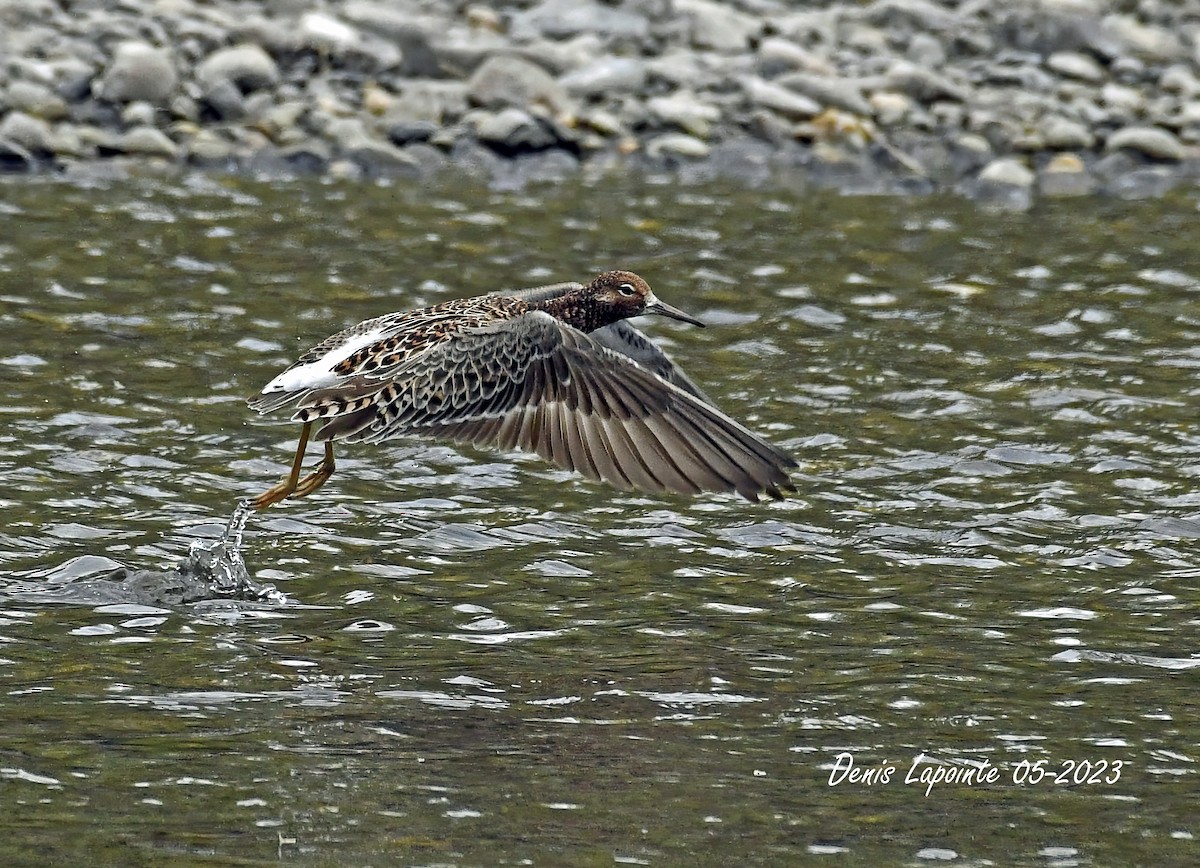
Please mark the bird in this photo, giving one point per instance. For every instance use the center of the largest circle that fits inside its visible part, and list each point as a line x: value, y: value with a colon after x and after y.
x: 554, y: 370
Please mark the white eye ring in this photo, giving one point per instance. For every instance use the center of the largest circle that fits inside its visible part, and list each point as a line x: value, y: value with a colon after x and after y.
x: 626, y: 289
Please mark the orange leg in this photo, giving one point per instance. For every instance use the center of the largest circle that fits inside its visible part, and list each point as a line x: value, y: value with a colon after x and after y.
x: 294, y: 486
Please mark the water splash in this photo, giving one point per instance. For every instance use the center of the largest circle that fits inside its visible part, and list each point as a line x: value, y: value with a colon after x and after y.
x: 219, y: 565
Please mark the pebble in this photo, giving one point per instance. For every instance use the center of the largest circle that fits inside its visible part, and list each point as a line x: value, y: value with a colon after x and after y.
x: 1101, y: 96
x: 139, y: 71
x: 1065, y: 175
x: 511, y: 81
x: 684, y: 110
x: 677, y: 144
x: 1153, y: 142
x: 248, y: 67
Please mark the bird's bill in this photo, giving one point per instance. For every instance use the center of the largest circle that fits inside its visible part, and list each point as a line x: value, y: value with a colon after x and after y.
x: 653, y: 305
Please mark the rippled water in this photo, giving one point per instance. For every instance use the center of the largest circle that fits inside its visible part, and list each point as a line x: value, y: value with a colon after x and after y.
x: 992, y: 555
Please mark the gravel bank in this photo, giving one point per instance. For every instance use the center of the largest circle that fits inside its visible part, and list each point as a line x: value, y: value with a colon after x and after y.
x: 1004, y: 101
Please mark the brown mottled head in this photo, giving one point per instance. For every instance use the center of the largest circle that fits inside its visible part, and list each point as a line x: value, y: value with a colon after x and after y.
x: 617, y: 295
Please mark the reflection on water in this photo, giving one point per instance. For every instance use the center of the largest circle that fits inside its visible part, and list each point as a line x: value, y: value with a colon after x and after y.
x: 480, y: 658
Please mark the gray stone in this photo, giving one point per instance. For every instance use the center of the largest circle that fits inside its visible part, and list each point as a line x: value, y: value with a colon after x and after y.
x: 139, y: 71
x: 1005, y: 183
x: 247, y: 66
x: 920, y: 84
x: 512, y: 130
x: 326, y: 33
x: 1065, y: 176
x: 718, y: 26
x: 677, y: 145
x: 1148, y: 182
x: 225, y: 99
x: 14, y: 158
x: 27, y: 132
x: 209, y: 149
x: 560, y: 19
x: 37, y: 100
x: 830, y: 91
x: 310, y: 155
x: 890, y: 109
x: 1063, y: 134
x: 1073, y: 64
x: 406, y: 132
x: 685, y: 111
x: 606, y: 75
x: 1007, y: 171
x: 1149, y: 41
x: 139, y: 114
x: 435, y: 101
x: 1153, y: 142
x: 777, y: 56
x: 149, y: 142
x: 779, y: 99
x: 510, y: 81
x: 1179, y: 79
x: 926, y: 51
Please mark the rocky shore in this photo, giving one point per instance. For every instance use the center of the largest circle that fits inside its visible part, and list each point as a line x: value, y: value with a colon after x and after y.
x: 1002, y: 101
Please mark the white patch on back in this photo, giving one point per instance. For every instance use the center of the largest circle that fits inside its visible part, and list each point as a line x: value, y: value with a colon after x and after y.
x: 319, y: 374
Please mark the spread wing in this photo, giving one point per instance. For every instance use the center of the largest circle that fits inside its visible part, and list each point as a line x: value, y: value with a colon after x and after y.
x: 624, y: 338
x: 536, y: 384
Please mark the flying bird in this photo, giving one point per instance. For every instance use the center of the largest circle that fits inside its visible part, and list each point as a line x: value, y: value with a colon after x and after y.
x: 554, y: 370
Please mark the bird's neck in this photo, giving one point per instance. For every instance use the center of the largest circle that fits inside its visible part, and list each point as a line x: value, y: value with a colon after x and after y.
x: 576, y: 310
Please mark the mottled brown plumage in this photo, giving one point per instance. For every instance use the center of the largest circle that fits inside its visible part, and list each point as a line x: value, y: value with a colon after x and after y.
x: 520, y: 370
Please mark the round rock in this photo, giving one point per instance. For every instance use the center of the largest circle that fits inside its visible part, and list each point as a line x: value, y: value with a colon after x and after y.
x: 247, y: 66
x: 139, y: 71
x: 503, y: 81
x: 1153, y: 142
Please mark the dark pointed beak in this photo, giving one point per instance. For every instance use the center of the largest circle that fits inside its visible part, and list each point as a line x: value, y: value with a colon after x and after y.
x: 653, y: 305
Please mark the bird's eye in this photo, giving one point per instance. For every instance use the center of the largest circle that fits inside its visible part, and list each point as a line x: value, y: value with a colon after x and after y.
x: 627, y: 290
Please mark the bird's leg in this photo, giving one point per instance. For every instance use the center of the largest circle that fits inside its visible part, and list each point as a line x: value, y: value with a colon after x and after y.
x: 317, y: 478
x: 279, y: 492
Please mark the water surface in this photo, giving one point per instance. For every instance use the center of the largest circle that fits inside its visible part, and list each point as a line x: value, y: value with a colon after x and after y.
x: 991, y: 555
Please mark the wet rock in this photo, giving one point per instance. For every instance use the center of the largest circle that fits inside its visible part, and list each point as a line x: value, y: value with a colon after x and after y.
x: 1073, y: 64
x: 561, y: 19
x: 684, y: 110
x: 1148, y: 41
x: 1179, y: 79
x: 777, y: 56
x: 139, y: 71
x: 406, y: 132
x: 310, y: 156
x: 1153, y: 142
x: 835, y: 92
x: 148, y: 142
x: 510, y: 81
x: 718, y: 26
x: 37, y: 100
x: 921, y: 84
x: 14, y: 158
x: 246, y: 66
x: 1005, y: 183
x: 208, y: 149
x: 677, y: 145
x: 606, y: 75
x: 512, y: 131
x: 890, y: 109
x: 1149, y: 182
x: 779, y: 99
x: 436, y: 101
x: 27, y: 133
x: 326, y: 33
x: 1063, y: 134
x: 225, y: 100
x: 1064, y: 176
